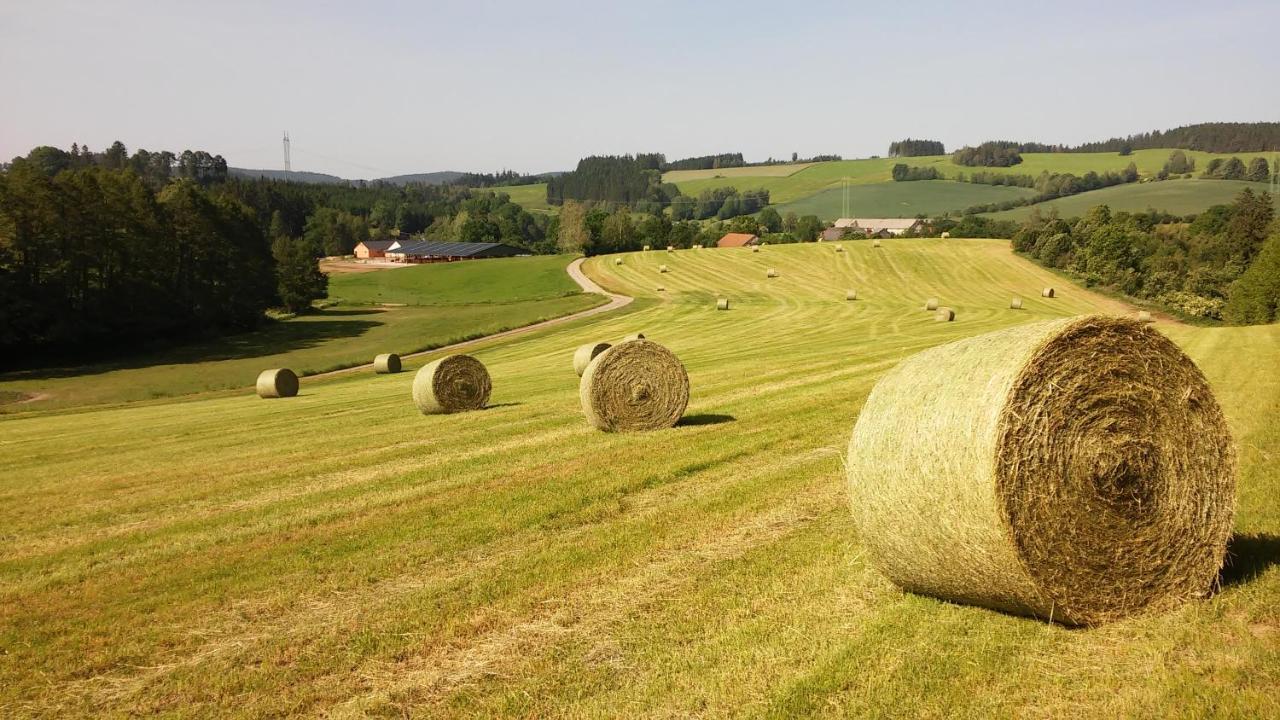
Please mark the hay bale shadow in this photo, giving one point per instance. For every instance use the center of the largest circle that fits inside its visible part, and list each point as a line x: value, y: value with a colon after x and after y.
x: 1248, y: 556
x: 705, y: 419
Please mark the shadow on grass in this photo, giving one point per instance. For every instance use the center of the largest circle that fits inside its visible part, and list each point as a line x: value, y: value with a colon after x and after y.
x: 705, y: 419
x: 1248, y: 556
x: 502, y: 405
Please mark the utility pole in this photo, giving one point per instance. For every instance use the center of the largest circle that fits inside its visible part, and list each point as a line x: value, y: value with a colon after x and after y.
x: 288, y: 166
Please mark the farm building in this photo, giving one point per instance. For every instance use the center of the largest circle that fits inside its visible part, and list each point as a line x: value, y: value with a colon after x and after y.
x: 880, y: 227
x: 420, y: 251
x: 738, y: 240
x: 373, y: 248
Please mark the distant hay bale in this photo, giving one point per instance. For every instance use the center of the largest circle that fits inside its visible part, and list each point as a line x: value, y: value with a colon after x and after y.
x: 722, y: 304
x: 662, y: 268
x: 617, y: 261
x: 386, y: 363
x: 697, y: 247
x: 850, y: 294
x: 931, y: 304
x: 755, y: 248
x: 771, y: 273
x: 634, y: 386
x: 646, y: 248
x: 585, y: 354
x: 1047, y: 292
x: 453, y: 383
x: 1076, y: 469
x: 1145, y: 317
x: 632, y: 336
x: 277, y: 383
x: 944, y: 314
x: 875, y: 243
x: 671, y: 248
x: 1015, y: 303
x: 839, y: 248
x: 661, y: 289
x: 946, y: 235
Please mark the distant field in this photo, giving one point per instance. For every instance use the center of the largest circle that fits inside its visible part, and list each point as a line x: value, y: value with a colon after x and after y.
x: 497, y: 293
x: 901, y: 199
x: 529, y: 197
x: 679, y: 176
x: 1180, y: 197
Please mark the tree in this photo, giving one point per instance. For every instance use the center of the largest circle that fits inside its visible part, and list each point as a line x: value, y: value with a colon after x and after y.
x: 1233, y: 169
x: 1251, y: 218
x: 618, y: 234
x: 1259, y: 170
x: 807, y: 228
x: 1178, y: 164
x: 1126, y: 150
x: 771, y: 220
x: 573, y: 237
x: 1255, y: 297
x: 298, y: 277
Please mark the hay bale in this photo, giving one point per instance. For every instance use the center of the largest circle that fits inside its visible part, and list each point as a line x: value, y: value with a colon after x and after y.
x: 839, y: 248
x: 386, y: 363
x: 875, y: 243
x: 645, y: 248
x: 931, y: 304
x: 697, y: 247
x: 671, y: 248
x: 771, y: 273
x: 1145, y: 317
x: 634, y: 386
x: 755, y: 248
x: 1076, y: 469
x: 850, y: 294
x: 617, y: 261
x: 946, y: 235
x: 944, y: 314
x: 632, y: 336
x: 277, y: 383
x: 722, y: 304
x: 1047, y: 292
x: 1015, y: 303
x: 453, y: 383
x: 662, y: 268
x: 583, y: 356
x: 661, y: 289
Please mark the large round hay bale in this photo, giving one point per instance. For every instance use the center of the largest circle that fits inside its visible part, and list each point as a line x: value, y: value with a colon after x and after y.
x: 771, y: 273
x: 722, y: 304
x: 850, y: 294
x: 617, y: 261
x: 585, y: 354
x: 875, y: 243
x: 386, y: 363
x: 931, y: 304
x: 1015, y: 303
x: 1145, y: 317
x: 632, y: 336
x: 662, y: 268
x: 944, y: 314
x: 637, y: 385
x: 671, y: 248
x: 277, y: 383
x: 1076, y: 469
x: 1047, y: 292
x: 661, y: 289
x: 453, y: 383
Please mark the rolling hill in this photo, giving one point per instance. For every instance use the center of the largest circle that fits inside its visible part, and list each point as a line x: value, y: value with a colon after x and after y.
x: 902, y: 199
x: 1179, y: 197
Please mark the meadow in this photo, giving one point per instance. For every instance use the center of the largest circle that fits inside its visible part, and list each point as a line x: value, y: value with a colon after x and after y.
x: 443, y: 304
x: 901, y: 199
x: 1180, y: 197
x: 339, y: 554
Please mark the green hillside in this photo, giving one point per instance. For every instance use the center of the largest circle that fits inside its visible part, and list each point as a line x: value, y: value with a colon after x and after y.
x: 1180, y: 197
x: 339, y: 554
x: 902, y: 199
x: 493, y: 280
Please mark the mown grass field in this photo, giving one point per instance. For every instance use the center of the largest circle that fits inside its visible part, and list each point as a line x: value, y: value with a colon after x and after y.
x: 339, y: 554
x: 901, y: 199
x: 1180, y: 197
x: 446, y: 303
x: 530, y: 197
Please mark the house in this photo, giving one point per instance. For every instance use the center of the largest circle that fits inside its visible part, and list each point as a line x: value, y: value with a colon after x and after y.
x: 422, y: 251
x: 373, y: 248
x: 881, y: 227
x: 834, y: 233
x: 738, y: 240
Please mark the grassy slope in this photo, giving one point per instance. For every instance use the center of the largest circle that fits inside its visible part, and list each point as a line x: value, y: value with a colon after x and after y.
x: 901, y: 199
x: 340, y: 553
x: 680, y: 176
x: 1180, y: 197
x: 530, y: 197
x: 448, y: 303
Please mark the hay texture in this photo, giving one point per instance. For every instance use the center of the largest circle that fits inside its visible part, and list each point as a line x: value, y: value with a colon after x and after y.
x: 839, y: 248
x: 1047, y: 292
x: 944, y: 314
x: 1015, y: 304
x: 583, y: 356
x: 1078, y: 470
x: 454, y: 383
x: 946, y: 235
x: 661, y: 289
x: 755, y: 248
x: 646, y: 248
x: 850, y: 294
x: 277, y: 383
x: 931, y: 304
x: 671, y: 248
x: 771, y: 273
x: 722, y: 304
x: 386, y: 363
x: 634, y: 386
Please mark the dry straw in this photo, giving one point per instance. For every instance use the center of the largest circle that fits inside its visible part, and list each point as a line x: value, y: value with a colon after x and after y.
x: 1015, y: 304
x: 946, y: 235
x: 1047, y: 292
x: 755, y: 248
x: 850, y: 294
x: 646, y: 248
x: 583, y: 356
x: 771, y: 273
x: 1145, y: 317
x: 386, y: 363
x: 944, y: 314
x: 634, y: 386
x: 671, y: 248
x: 453, y: 383
x: 277, y: 383
x: 722, y: 304
x: 661, y: 289
x: 1078, y: 470
x: 931, y: 304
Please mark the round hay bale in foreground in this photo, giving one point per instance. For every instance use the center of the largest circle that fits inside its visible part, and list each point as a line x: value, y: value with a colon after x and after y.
x: 453, y: 383
x: 722, y: 304
x: 583, y: 356
x: 1047, y: 292
x: 931, y: 304
x: 386, y: 363
x: 1145, y: 317
x: 1076, y: 469
x: 944, y: 314
x: 634, y: 386
x: 771, y: 273
x: 277, y: 383
x: 1015, y: 304
x: 850, y: 294
x: 662, y: 268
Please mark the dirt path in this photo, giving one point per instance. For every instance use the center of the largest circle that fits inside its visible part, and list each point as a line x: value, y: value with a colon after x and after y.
x: 616, y: 301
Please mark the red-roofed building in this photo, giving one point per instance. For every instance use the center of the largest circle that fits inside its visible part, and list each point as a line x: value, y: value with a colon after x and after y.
x: 738, y: 240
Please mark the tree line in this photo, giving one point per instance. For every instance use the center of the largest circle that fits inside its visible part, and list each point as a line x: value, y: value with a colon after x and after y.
x: 993, y: 153
x: 1048, y: 186
x: 916, y: 148
x: 1216, y: 137
x: 903, y: 173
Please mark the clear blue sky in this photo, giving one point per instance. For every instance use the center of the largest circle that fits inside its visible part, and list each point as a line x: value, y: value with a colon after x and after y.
x: 367, y: 89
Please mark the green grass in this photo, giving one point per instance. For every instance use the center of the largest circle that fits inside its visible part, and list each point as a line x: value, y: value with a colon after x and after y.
x: 1180, y: 197
x: 902, y: 199
x: 446, y: 303
x: 679, y: 176
x: 339, y: 554
x: 530, y: 197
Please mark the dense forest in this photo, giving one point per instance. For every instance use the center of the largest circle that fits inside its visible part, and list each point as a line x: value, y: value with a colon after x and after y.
x: 707, y: 162
x: 1048, y: 186
x: 916, y: 148
x: 903, y: 173
x: 614, y: 178
x: 993, y: 153
x: 1217, y: 137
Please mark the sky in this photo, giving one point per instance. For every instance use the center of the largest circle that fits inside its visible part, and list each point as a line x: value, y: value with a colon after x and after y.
x: 371, y: 89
